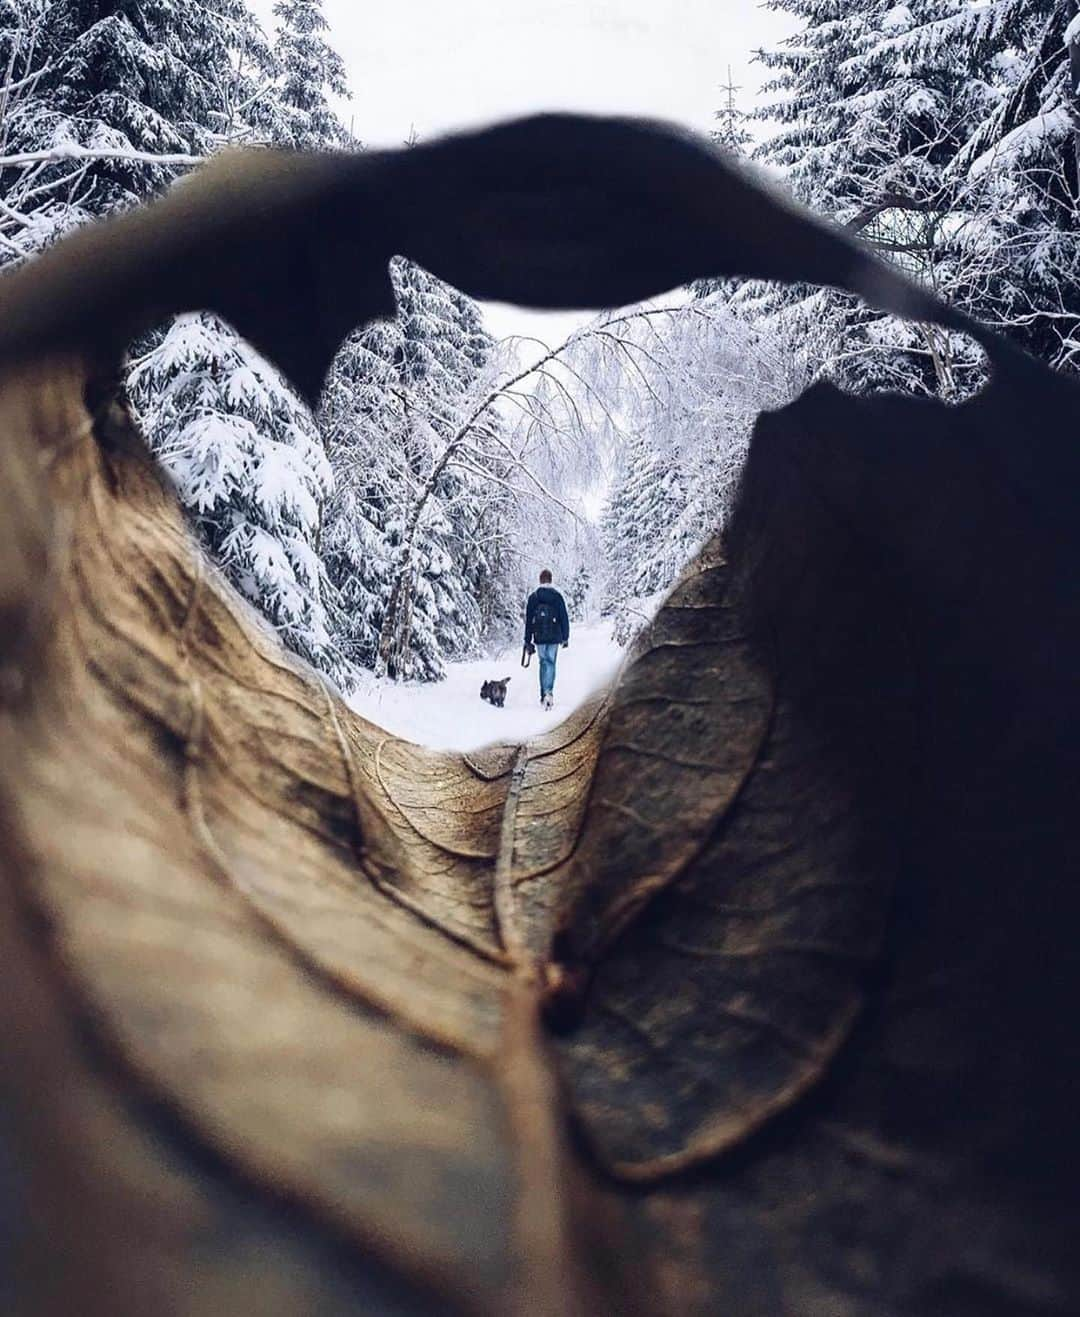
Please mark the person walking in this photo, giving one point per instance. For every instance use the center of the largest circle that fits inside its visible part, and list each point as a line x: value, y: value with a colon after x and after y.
x: 547, y: 626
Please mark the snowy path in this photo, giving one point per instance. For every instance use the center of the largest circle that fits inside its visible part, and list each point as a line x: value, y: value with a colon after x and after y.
x: 450, y: 715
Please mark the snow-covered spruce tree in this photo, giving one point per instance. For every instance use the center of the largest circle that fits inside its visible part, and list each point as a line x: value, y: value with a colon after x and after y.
x: 247, y: 459
x: 731, y: 133
x: 482, y: 505
x: 415, y: 535
x: 807, y: 148
x: 579, y: 594
x: 876, y: 98
x: 309, y: 72
x: 430, y: 613
x: 137, y: 80
x: 872, y: 113
x: 991, y: 220
x: 996, y: 236
x: 810, y: 89
x: 944, y: 138
x: 361, y: 419
x: 1015, y: 257
x: 484, y: 516
x: 249, y: 464
x: 132, y: 79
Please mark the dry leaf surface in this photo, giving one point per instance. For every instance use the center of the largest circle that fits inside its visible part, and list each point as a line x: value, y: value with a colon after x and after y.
x: 746, y: 989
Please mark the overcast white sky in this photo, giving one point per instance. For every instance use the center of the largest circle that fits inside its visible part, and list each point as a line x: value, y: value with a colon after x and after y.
x: 434, y: 65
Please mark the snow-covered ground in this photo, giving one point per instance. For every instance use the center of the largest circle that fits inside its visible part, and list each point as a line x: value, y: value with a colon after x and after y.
x: 450, y: 715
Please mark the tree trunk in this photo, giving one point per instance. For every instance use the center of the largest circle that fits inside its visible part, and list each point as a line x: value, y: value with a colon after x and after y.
x: 391, y: 659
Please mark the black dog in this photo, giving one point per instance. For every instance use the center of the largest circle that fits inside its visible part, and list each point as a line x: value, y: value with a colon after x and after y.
x: 495, y: 692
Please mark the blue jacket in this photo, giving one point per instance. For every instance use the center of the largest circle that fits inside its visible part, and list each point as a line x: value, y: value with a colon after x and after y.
x: 559, y: 632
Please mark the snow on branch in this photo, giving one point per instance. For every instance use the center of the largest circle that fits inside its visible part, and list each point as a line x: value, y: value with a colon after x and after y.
x: 59, y: 154
x: 30, y: 81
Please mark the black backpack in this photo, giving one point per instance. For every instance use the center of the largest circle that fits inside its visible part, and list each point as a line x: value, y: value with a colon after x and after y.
x: 546, y: 629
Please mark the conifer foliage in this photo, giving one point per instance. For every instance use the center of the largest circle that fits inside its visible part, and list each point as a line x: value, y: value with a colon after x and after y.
x: 944, y: 132
x: 416, y: 541
x: 134, y: 79
x: 249, y: 464
x: 580, y: 594
x: 1018, y: 175
x: 145, y: 79
x: 731, y: 132
x: 310, y: 72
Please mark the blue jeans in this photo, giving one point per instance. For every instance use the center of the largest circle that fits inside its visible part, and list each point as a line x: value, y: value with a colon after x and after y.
x: 548, y: 655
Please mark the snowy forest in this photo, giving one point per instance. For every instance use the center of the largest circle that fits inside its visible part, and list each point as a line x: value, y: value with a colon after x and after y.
x: 398, y: 529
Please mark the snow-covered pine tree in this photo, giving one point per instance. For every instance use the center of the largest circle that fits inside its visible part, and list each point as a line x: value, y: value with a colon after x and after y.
x: 247, y: 458
x: 1014, y: 249
x: 732, y: 135
x: 872, y: 101
x: 249, y: 464
x: 578, y: 596
x: 947, y: 65
x: 417, y: 533
x: 430, y: 613
x: 871, y: 117
x: 133, y: 79
x: 939, y: 130
x: 809, y: 90
x: 142, y: 79
x: 310, y: 71
x: 731, y: 132
x: 477, y: 496
x: 362, y: 422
